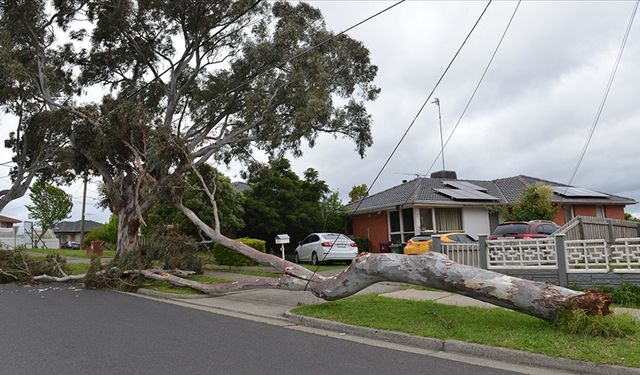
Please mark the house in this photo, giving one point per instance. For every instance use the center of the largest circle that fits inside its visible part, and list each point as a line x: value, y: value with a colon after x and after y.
x: 443, y: 203
x: 70, y: 230
x: 8, y: 222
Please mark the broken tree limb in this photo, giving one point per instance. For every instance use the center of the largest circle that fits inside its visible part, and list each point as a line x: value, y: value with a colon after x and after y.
x: 49, y: 278
x: 431, y: 269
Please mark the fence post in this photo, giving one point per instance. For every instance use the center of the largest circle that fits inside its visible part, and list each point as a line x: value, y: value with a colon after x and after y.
x: 561, y: 260
x: 581, y: 228
x: 436, y: 244
x: 611, y: 235
x: 482, y: 246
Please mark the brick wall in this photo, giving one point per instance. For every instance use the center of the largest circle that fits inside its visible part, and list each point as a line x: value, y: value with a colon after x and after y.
x: 373, y: 226
x: 614, y: 212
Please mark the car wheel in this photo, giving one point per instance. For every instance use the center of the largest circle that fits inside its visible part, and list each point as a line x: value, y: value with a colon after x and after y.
x: 314, y: 259
x: 296, y: 258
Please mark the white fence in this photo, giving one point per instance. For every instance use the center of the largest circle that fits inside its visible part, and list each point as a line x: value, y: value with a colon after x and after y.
x: 10, y: 239
x: 463, y: 253
x: 539, y: 253
x: 587, y: 256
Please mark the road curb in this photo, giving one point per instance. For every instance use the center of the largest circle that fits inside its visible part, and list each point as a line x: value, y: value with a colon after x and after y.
x: 465, y: 348
x: 155, y: 293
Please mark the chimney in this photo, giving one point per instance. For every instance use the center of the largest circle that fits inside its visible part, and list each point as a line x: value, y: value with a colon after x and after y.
x: 450, y: 175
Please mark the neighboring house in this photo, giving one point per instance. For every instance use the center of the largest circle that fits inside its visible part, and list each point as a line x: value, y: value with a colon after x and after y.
x: 70, y: 230
x: 430, y: 205
x: 8, y: 222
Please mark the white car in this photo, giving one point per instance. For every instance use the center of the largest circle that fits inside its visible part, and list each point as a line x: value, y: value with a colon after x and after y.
x: 319, y: 247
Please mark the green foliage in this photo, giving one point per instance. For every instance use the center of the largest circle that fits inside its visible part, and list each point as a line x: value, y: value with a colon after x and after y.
x: 333, y: 213
x: 173, y: 250
x: 535, y: 203
x: 50, y: 204
x: 229, y: 257
x: 578, y: 322
x: 358, y: 192
x: 629, y: 217
x: 107, y: 232
x: 281, y: 202
x: 363, y: 243
x: 229, y: 203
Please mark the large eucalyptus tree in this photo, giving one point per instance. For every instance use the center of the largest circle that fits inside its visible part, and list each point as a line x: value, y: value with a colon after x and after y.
x: 184, y: 83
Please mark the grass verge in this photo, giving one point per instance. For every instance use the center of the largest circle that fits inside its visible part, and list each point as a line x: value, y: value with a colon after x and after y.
x: 166, y: 287
x: 69, y: 253
x: 495, y: 327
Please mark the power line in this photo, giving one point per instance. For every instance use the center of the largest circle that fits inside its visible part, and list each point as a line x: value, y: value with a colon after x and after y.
x: 604, y: 96
x: 411, y: 124
x: 475, y: 90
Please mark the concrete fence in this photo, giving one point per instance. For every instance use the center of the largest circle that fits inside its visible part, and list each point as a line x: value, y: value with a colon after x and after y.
x: 554, y: 259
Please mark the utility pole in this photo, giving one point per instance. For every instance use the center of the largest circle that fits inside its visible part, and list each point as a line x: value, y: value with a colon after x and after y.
x: 436, y: 101
x: 84, y: 204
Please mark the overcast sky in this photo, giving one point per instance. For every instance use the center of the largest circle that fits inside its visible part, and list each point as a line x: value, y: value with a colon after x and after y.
x: 531, y: 116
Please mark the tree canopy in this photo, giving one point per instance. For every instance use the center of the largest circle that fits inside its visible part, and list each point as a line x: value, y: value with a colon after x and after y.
x: 281, y: 202
x: 358, y: 192
x: 535, y: 203
x: 239, y: 77
x: 50, y: 205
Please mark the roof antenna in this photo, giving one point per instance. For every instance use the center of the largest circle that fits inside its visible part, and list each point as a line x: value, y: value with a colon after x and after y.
x: 436, y: 101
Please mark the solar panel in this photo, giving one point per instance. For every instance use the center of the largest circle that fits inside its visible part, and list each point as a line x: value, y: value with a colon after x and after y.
x: 464, y: 185
x: 576, y: 192
x: 467, y: 194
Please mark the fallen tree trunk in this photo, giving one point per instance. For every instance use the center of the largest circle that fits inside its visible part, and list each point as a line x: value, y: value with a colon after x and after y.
x: 431, y: 269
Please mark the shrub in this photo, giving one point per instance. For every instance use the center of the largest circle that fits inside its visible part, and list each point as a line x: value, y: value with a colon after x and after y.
x: 578, y: 322
x: 363, y: 243
x: 229, y: 257
x: 107, y: 232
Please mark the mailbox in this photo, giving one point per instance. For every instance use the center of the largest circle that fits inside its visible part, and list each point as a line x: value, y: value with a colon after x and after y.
x: 282, y: 239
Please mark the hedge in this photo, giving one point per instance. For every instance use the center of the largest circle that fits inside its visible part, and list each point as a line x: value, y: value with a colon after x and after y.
x: 228, y: 257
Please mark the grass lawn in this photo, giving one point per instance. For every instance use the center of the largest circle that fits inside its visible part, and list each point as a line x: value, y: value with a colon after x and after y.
x: 496, y: 327
x: 166, y: 287
x: 71, y: 253
x: 76, y: 268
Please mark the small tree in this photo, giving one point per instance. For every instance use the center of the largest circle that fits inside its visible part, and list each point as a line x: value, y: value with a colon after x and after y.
x: 50, y: 205
x: 358, y: 192
x: 630, y: 217
x: 535, y: 203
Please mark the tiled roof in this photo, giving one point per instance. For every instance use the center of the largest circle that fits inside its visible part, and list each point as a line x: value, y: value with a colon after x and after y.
x: 74, y: 226
x: 7, y: 219
x: 422, y: 191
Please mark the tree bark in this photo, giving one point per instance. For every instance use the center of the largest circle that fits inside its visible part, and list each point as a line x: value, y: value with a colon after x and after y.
x: 431, y: 269
x: 128, y: 226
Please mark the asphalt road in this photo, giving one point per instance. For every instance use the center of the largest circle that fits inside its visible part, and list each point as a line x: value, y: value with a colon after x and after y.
x: 63, y: 329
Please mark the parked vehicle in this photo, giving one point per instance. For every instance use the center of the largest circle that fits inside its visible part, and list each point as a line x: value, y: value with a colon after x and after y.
x: 75, y: 245
x: 319, y: 247
x: 422, y: 243
x: 524, y: 229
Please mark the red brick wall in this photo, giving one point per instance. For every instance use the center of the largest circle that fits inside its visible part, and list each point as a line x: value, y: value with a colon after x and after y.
x: 372, y: 226
x: 614, y: 212
x: 611, y: 212
x: 584, y: 210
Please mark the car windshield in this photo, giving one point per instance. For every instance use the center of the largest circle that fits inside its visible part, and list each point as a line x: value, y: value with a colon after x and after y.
x: 513, y: 228
x: 421, y: 238
x: 334, y: 236
x: 462, y: 238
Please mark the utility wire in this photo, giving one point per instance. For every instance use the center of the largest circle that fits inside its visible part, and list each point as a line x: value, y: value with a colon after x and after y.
x: 410, y: 125
x: 304, y: 52
x: 604, y: 97
x: 484, y: 73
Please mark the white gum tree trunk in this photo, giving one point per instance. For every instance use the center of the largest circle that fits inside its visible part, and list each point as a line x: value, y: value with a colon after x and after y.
x: 538, y: 299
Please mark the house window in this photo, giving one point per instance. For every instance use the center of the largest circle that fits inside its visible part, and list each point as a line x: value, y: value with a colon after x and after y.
x: 568, y: 213
x: 426, y: 220
x: 448, y: 219
x: 600, y: 211
x: 401, y: 225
